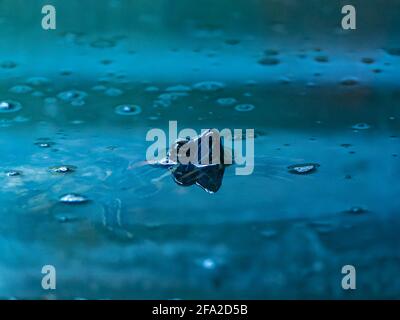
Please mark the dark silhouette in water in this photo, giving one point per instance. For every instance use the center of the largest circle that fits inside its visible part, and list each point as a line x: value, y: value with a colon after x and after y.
x: 206, y: 174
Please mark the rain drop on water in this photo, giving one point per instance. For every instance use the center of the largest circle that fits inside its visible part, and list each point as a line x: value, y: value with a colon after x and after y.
x: 64, y: 169
x: 72, y: 95
x: 9, y: 106
x: 13, y: 173
x: 244, y: 107
x: 305, y: 168
x: 361, y: 126
x: 73, y: 198
x: 128, y: 110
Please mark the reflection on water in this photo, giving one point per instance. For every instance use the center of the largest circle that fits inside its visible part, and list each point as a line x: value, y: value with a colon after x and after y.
x: 75, y: 191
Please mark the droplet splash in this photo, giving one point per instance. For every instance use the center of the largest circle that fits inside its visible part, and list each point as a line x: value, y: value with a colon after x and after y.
x: 361, y: 126
x: 305, y: 168
x: 244, y: 107
x: 13, y: 173
x: 72, y: 95
x: 356, y: 210
x: 64, y: 169
x: 128, y: 110
x: 73, y: 198
x: 10, y: 106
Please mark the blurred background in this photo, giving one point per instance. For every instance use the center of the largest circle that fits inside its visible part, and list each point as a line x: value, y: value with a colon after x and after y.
x: 313, y: 92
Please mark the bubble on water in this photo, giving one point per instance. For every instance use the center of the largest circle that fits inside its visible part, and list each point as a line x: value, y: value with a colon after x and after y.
x: 179, y: 88
x: 128, y: 110
x: 9, y: 106
x: 44, y: 143
x: 37, y: 81
x: 209, y: 86
x: 226, y: 101
x: 64, y: 169
x: 13, y: 173
x: 349, y: 81
x: 361, y: 126
x: 269, y: 61
x: 244, y: 107
x: 20, y: 89
x: 113, y: 92
x: 208, y: 264
x: 322, y: 59
x: 305, y: 168
x: 73, y: 198
x: 102, y: 43
x: 72, y: 95
x: 8, y: 65
x: 356, y: 210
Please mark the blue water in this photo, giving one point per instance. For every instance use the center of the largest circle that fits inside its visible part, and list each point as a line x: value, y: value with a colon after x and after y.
x: 320, y: 95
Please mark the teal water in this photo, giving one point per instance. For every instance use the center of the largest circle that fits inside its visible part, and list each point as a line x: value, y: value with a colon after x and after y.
x: 320, y: 95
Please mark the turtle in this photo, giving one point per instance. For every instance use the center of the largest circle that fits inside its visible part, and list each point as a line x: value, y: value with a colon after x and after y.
x: 206, y: 175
